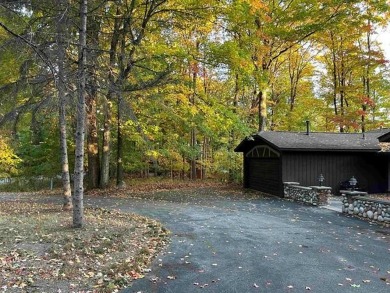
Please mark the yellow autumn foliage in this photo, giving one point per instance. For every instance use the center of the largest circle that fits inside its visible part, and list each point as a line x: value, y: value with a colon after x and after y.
x: 8, y: 160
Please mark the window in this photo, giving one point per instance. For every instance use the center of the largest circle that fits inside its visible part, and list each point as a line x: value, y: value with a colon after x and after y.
x: 262, y: 151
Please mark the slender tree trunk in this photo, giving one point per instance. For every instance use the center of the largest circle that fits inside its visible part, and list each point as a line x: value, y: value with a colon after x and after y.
x: 195, y: 69
x: 120, y: 183
x: 262, y: 96
x: 366, y: 81
x: 125, y: 68
x: 335, y: 87
x: 91, y: 101
x: 61, y: 87
x: 193, y: 158
x: 342, y: 88
x: 291, y: 71
x: 107, y: 107
x: 105, y: 167
x: 92, y: 142
x: 205, y: 157
x: 232, y: 133
x: 78, y: 203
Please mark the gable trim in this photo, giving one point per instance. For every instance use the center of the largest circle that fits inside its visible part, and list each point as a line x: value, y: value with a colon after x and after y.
x: 262, y: 151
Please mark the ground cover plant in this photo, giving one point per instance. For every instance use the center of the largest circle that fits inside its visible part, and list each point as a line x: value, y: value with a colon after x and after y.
x: 40, y: 252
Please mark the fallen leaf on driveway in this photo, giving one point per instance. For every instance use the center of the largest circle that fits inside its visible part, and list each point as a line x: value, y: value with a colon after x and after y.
x: 355, y: 285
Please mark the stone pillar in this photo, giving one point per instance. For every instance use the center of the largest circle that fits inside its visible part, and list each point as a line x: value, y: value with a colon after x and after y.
x: 323, y: 193
x: 348, y: 200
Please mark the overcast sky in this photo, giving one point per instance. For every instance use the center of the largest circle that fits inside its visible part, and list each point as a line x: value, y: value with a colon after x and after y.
x: 384, y: 38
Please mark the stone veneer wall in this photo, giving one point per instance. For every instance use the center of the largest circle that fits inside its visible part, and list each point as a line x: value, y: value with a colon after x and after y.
x: 314, y: 195
x: 365, y: 207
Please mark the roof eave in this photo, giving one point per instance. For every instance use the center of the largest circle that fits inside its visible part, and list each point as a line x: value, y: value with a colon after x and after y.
x: 376, y: 150
x: 254, y: 138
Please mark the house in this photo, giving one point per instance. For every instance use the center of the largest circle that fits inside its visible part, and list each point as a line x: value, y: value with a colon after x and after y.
x: 274, y: 157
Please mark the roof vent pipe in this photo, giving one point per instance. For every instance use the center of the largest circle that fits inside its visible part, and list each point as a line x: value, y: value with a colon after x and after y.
x: 307, y: 127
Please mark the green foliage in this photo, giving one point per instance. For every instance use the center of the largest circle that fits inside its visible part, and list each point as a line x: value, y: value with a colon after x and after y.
x: 195, y: 70
x: 42, y: 158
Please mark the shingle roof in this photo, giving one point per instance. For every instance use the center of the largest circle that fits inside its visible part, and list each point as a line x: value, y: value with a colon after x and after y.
x: 315, y: 141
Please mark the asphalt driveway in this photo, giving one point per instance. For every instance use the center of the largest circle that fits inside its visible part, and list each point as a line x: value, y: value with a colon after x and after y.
x: 222, y: 244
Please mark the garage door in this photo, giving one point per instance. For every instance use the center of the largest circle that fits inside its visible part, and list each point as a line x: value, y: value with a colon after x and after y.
x: 264, y: 175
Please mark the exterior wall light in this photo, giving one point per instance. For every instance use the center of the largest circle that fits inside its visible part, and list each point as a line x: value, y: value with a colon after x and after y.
x: 321, y: 179
x: 353, y: 182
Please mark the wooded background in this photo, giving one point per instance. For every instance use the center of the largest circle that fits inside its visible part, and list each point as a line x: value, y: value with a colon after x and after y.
x: 172, y: 86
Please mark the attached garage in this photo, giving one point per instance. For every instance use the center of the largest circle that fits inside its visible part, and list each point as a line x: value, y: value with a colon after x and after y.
x: 266, y: 178
x: 271, y: 158
x: 267, y: 164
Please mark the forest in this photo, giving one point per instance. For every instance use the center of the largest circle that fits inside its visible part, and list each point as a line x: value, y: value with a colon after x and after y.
x: 169, y: 87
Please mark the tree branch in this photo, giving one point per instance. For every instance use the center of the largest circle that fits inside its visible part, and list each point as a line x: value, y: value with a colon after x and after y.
x: 39, y: 52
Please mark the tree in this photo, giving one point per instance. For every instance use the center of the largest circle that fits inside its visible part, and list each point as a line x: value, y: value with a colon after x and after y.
x: 179, y: 83
x: 78, y: 203
x: 271, y: 28
x: 92, y: 89
x: 62, y: 34
x: 352, y: 60
x: 55, y: 61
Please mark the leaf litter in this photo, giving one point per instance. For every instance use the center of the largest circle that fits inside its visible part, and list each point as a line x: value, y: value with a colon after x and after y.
x: 41, y: 252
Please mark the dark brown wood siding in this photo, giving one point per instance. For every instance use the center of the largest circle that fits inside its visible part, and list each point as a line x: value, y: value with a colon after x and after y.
x: 264, y: 174
x: 246, y: 172
x: 370, y: 169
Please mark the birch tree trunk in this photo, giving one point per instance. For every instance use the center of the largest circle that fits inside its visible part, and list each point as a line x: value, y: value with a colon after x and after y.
x: 61, y: 87
x: 78, y: 204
